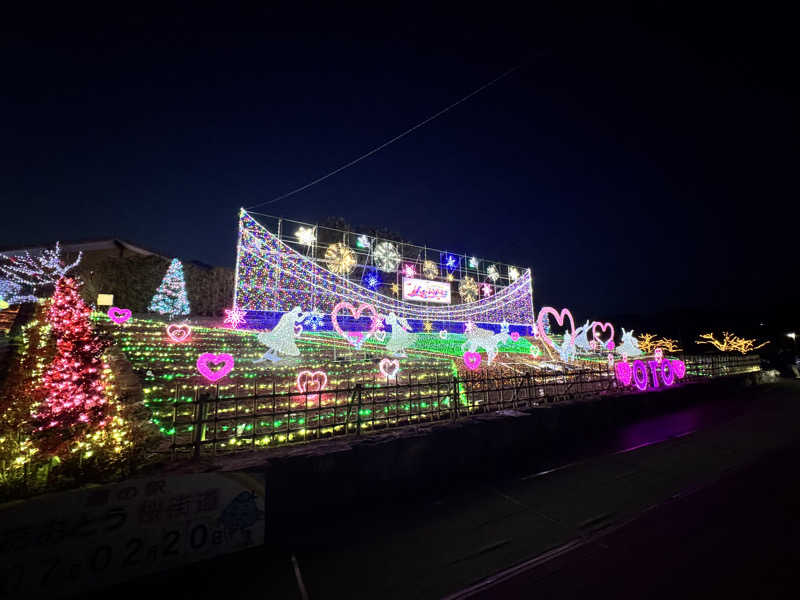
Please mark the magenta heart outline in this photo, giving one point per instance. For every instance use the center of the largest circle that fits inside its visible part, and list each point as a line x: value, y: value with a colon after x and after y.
x: 356, y: 313
x: 549, y: 310
x: 205, y: 359
x: 171, y: 329
x: 603, y: 327
x: 119, y: 315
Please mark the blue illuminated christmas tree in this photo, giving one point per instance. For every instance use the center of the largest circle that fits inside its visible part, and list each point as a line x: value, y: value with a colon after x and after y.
x: 170, y: 297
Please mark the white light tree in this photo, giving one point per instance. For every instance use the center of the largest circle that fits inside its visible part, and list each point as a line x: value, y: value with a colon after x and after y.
x: 20, y: 273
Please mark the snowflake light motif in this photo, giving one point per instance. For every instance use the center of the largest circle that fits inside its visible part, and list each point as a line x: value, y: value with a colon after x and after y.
x: 314, y: 320
x: 493, y: 273
x: 409, y: 271
x: 430, y: 270
x: 487, y: 289
x: 234, y: 317
x: 513, y: 273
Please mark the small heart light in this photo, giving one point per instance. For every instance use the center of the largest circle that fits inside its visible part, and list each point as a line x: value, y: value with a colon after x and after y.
x: 178, y: 333
x: 298, y: 330
x: 119, y: 315
x: 311, y: 381
x: 514, y: 335
x: 380, y: 335
x: 443, y: 334
x: 389, y: 368
x: 472, y: 360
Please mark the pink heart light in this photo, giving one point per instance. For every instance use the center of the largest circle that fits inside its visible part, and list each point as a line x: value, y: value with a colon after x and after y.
x: 119, y: 315
x: 658, y: 354
x: 549, y: 310
x: 472, y: 360
x: 596, y: 333
x: 624, y: 372
x: 298, y: 329
x: 514, y: 335
x: 389, y: 368
x: 311, y: 381
x: 178, y: 333
x: 360, y: 335
x: 679, y: 367
x: 204, y: 362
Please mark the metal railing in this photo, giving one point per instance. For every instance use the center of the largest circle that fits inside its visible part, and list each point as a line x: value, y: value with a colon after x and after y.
x: 251, y: 417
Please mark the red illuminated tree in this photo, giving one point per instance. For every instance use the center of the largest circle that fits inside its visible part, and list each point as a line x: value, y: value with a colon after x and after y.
x: 74, y: 399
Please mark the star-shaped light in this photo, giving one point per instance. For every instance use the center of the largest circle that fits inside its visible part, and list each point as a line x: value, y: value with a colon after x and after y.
x: 314, y: 319
x: 409, y: 271
x: 450, y: 262
x: 306, y: 236
x: 395, y: 289
x: 427, y: 326
x: 450, y: 277
x: 234, y: 316
x: 473, y: 263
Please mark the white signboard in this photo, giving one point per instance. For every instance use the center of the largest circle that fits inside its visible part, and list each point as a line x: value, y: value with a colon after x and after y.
x: 426, y: 290
x: 60, y: 544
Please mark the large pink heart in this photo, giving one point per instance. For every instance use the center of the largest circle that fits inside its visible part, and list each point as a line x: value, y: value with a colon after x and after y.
x: 389, y: 368
x: 178, y: 333
x: 603, y: 327
x: 350, y: 336
x: 119, y: 315
x: 204, y: 362
x: 549, y: 310
x: 472, y: 360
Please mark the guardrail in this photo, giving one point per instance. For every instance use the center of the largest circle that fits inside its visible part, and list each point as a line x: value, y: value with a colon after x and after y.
x: 209, y: 422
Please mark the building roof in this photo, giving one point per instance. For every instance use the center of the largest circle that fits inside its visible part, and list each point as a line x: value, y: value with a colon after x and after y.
x: 91, y: 245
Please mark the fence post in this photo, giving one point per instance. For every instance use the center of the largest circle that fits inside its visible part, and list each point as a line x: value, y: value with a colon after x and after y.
x: 358, y: 409
x: 200, y: 414
x: 455, y: 398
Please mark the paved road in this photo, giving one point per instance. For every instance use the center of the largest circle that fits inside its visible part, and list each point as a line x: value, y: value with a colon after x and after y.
x: 433, y: 548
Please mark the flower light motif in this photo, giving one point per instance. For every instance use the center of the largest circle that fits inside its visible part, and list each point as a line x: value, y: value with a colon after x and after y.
x: 306, y: 236
x: 473, y: 263
x: 487, y: 289
x: 513, y: 273
x: 362, y: 242
x: 340, y: 259
x: 409, y: 271
x: 234, y: 316
x: 493, y: 273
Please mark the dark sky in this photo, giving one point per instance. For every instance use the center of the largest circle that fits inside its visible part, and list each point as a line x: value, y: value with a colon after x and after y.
x: 636, y: 162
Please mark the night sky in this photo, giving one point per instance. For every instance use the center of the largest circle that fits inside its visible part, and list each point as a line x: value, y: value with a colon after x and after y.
x: 636, y: 162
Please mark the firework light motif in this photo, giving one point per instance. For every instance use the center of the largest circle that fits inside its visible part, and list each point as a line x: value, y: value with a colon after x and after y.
x: 273, y: 277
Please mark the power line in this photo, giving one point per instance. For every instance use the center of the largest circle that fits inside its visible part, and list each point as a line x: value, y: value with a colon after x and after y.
x: 391, y: 141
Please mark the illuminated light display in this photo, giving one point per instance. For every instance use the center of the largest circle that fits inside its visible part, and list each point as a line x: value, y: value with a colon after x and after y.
x: 430, y: 270
x: 425, y: 290
x: 597, y: 329
x: 472, y: 360
x: 306, y: 236
x: 473, y: 263
x: 298, y: 330
x: 443, y: 334
x: 363, y: 242
x: 119, y: 315
x: 395, y: 289
x: 389, y: 368
x: 610, y: 359
x: 282, y: 339
x: 513, y: 273
x: 630, y: 345
x: 559, y: 317
x: 409, y: 271
x: 206, y: 360
x: 581, y: 340
x: 478, y: 337
x: 450, y: 261
x: 380, y: 335
x: 3, y: 304
x: 660, y: 371
x: 492, y: 272
x: 311, y: 381
x: 314, y: 320
x: 514, y: 335
x: 535, y: 351
x: 402, y: 337
x: 271, y: 277
x: 355, y: 313
x: 386, y: 257
x: 170, y: 297
x: 487, y: 289
x: 178, y: 333
x: 340, y: 259
x: 32, y: 271
x: 427, y: 326
x: 468, y: 289
x: 372, y: 279
x: 730, y: 343
x: 234, y: 316
x: 450, y: 277
x: 658, y: 354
